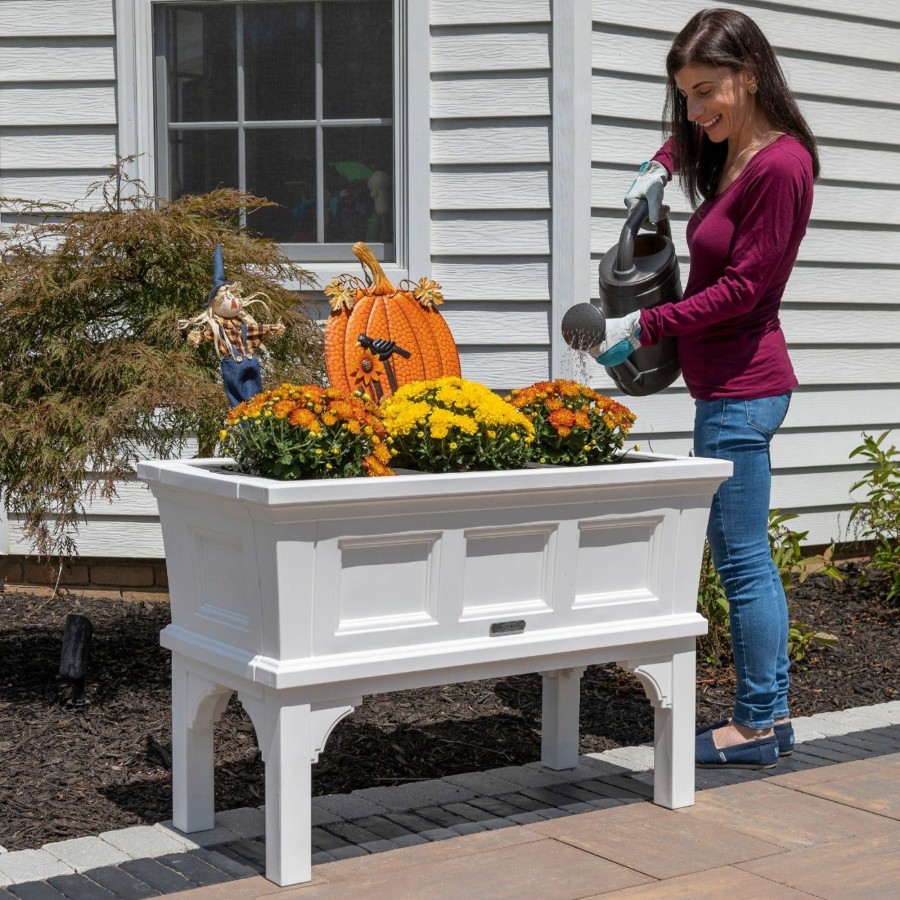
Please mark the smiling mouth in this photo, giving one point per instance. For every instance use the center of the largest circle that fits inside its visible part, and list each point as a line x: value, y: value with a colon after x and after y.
x: 713, y: 121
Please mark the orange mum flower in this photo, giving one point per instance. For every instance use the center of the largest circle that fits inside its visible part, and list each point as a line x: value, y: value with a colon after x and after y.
x: 282, y: 409
x: 562, y: 418
x: 303, y: 418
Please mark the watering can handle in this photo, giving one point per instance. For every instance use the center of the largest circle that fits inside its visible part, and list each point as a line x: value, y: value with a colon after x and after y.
x: 635, y: 374
x: 637, y: 215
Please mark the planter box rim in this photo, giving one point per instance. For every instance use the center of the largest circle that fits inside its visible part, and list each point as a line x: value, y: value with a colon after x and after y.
x: 211, y: 476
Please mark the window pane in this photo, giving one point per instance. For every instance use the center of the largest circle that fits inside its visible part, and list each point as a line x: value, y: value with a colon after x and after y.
x: 279, y: 61
x: 357, y: 60
x: 201, y: 64
x: 200, y: 161
x: 339, y: 175
x: 281, y: 165
x: 359, y: 186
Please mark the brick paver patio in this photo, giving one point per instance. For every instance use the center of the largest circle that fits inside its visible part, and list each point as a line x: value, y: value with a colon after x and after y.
x: 824, y: 823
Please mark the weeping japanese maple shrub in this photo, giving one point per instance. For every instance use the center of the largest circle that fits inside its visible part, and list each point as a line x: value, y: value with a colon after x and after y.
x: 380, y: 337
x: 96, y: 372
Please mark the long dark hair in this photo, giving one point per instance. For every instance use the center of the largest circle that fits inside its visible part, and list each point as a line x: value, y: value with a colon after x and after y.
x: 731, y: 40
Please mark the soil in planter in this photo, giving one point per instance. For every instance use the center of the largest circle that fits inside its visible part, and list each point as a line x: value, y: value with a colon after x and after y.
x: 71, y: 772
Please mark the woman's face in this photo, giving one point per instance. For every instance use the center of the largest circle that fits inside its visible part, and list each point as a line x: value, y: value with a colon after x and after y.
x: 718, y: 100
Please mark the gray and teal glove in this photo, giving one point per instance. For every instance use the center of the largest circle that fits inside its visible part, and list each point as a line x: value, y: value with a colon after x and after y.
x: 649, y: 184
x: 622, y: 338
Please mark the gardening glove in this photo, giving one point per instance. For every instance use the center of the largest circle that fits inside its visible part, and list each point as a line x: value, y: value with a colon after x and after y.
x: 622, y: 338
x: 649, y: 184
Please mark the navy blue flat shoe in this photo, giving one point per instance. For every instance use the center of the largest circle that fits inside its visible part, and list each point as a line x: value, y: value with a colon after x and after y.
x: 784, y: 734
x: 761, y: 754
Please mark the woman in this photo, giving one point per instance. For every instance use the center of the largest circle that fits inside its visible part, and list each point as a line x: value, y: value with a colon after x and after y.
x: 747, y: 160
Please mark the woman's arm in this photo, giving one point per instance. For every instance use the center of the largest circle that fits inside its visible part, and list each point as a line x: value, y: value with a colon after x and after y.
x: 666, y: 156
x: 773, y: 199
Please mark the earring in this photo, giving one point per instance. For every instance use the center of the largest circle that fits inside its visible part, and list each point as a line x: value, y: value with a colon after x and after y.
x: 752, y: 89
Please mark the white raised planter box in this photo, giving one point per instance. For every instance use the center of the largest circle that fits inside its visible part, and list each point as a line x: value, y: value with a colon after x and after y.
x: 305, y: 596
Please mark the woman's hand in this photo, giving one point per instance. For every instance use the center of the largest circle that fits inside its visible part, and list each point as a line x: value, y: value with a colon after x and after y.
x: 622, y: 338
x: 649, y: 184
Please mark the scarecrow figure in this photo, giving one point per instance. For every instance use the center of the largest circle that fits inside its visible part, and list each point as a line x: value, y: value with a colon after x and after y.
x: 235, y: 334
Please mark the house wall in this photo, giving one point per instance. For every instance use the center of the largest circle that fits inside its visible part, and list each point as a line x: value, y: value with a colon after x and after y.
x: 491, y: 138
x: 57, y: 97
x: 58, y: 136
x: 492, y: 98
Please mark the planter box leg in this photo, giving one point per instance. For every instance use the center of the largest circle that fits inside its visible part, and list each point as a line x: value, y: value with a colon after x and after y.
x: 670, y: 683
x: 560, y: 704
x: 288, y: 793
x: 290, y: 735
x: 673, y: 726
x: 196, y: 705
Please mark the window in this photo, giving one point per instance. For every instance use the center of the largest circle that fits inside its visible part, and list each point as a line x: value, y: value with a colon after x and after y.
x: 320, y: 105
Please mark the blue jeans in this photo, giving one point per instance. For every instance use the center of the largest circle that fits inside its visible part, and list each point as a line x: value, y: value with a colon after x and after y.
x: 740, y: 430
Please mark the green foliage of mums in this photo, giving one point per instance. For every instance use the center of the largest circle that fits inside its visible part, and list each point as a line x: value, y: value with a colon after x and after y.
x: 95, y: 371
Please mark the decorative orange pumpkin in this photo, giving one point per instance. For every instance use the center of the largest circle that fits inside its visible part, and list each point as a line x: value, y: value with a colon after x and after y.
x: 379, y: 337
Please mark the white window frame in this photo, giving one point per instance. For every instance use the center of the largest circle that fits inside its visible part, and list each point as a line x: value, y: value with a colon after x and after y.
x: 137, y: 113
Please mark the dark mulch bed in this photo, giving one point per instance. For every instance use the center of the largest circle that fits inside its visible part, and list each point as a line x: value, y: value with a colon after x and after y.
x: 72, y: 772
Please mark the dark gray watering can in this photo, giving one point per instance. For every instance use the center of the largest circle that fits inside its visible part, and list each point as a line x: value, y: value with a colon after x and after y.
x: 639, y: 272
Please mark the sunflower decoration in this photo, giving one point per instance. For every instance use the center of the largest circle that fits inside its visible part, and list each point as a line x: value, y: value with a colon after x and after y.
x: 369, y: 374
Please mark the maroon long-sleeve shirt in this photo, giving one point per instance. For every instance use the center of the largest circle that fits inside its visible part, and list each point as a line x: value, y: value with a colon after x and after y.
x: 743, y: 244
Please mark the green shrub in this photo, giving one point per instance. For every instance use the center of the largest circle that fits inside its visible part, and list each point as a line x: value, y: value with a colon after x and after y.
x: 712, y: 604
x: 877, y: 518
x: 96, y: 371
x: 792, y: 566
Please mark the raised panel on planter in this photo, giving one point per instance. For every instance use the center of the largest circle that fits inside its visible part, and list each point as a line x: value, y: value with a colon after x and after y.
x: 218, y: 560
x: 387, y: 582
x: 217, y: 593
x: 508, y: 571
x: 618, y: 566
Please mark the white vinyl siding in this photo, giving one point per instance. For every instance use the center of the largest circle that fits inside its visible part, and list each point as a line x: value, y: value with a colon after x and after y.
x: 58, y: 131
x: 491, y: 184
x: 127, y: 527
x: 841, y: 311
x: 57, y: 97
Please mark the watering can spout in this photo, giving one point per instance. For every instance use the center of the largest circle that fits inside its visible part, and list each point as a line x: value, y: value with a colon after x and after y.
x: 583, y: 327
